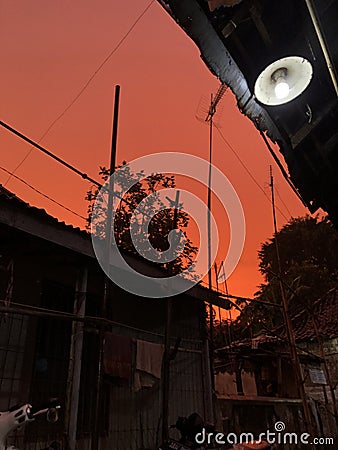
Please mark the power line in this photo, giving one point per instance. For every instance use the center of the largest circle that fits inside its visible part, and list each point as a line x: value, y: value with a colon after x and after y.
x: 63, y: 162
x: 282, y: 201
x: 41, y: 193
x: 85, y: 86
x: 281, y: 168
x: 49, y: 153
x: 247, y: 170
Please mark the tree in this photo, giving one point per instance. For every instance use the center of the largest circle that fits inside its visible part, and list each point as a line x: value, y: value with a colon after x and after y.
x: 309, y: 268
x: 160, y: 225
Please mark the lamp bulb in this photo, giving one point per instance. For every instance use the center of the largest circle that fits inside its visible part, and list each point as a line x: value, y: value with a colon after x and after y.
x: 282, y: 89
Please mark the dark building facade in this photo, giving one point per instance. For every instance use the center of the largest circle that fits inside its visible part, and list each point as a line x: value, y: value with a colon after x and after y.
x: 51, y: 296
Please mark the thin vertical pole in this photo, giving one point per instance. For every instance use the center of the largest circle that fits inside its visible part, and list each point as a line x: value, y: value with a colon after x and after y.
x: 288, y: 324
x: 211, y: 316
x: 227, y: 293
x: 223, y: 335
x: 329, y: 63
x: 216, y: 276
x: 109, y: 230
x: 166, y: 355
x: 209, y: 200
x: 76, y: 358
x: 99, y: 385
x: 217, y: 289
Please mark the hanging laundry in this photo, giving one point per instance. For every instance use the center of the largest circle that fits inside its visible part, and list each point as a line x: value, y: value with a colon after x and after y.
x: 148, y: 364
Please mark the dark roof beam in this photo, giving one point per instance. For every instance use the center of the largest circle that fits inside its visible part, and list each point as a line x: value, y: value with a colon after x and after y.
x: 308, y: 128
x: 256, y: 15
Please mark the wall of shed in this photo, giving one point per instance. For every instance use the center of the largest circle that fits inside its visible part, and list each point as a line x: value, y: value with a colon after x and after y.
x: 134, y: 418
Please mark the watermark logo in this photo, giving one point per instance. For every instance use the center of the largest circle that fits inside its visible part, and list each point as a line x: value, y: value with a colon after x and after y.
x: 278, y: 436
x: 280, y: 426
x: 139, y: 282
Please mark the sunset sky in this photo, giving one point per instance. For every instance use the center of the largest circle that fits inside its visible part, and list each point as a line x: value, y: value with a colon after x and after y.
x: 49, y: 51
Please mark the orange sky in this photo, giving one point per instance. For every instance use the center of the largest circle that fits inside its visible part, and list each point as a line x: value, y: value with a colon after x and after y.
x: 48, y: 52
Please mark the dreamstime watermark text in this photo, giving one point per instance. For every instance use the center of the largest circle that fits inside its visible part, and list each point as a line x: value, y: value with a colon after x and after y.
x: 278, y: 436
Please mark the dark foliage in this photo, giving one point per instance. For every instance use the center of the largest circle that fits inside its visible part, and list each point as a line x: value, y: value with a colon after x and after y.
x: 309, y: 268
x: 146, y: 190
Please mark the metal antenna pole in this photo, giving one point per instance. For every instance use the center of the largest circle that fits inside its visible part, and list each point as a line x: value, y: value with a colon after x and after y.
x: 288, y: 324
x: 224, y: 278
x: 166, y: 355
x: 108, y: 236
x: 221, y: 331
x: 227, y: 293
x: 216, y: 276
x: 212, y: 110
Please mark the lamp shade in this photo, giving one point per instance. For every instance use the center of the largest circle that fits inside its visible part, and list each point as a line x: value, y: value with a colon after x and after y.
x: 283, y: 80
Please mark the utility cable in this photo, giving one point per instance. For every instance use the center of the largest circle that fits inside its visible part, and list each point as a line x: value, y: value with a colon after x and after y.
x: 52, y: 155
x: 43, y: 195
x: 283, y: 203
x: 64, y: 163
x: 85, y: 86
x: 281, y: 168
x: 247, y: 170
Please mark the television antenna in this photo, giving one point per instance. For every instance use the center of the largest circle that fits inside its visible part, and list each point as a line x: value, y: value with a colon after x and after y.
x: 209, y: 116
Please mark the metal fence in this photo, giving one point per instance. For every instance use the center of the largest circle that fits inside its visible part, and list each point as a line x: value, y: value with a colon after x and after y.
x: 34, y: 362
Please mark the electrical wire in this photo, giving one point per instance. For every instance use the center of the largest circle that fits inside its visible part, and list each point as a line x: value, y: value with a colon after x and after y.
x: 41, y: 193
x: 85, y: 86
x: 49, y: 153
x: 247, y: 170
x: 281, y: 168
x: 63, y: 162
x: 283, y: 203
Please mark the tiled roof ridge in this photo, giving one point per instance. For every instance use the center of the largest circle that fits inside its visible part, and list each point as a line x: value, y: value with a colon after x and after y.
x: 317, y: 302
x: 304, y: 329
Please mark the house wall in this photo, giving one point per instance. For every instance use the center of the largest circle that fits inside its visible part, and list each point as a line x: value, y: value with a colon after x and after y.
x: 45, y: 277
x: 135, y: 416
x: 331, y: 352
x: 319, y: 395
x: 34, y: 349
x: 256, y: 375
x: 243, y: 412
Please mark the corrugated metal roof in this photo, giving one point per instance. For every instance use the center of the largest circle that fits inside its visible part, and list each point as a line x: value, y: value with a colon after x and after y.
x: 83, y: 243
x: 252, y: 343
x: 7, y: 195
